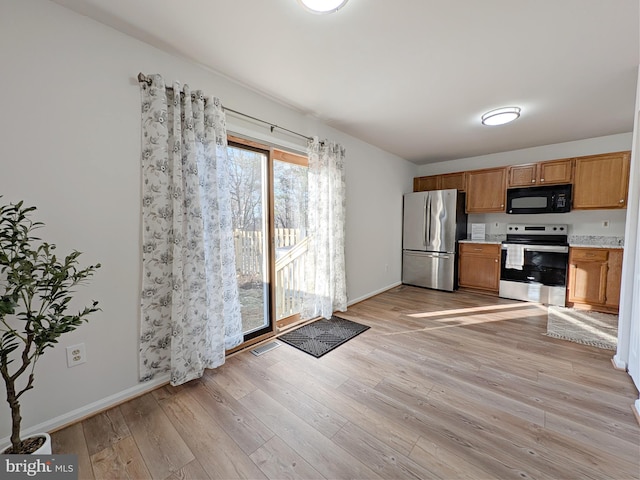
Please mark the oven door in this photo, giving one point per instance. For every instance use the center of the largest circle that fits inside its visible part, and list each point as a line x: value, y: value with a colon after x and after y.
x: 543, y: 277
x: 544, y: 264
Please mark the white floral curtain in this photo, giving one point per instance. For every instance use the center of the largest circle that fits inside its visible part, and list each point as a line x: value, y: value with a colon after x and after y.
x: 190, y: 309
x: 326, y: 286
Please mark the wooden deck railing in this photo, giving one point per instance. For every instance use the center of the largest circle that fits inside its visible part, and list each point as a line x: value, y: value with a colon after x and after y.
x: 289, y: 267
x: 290, y: 280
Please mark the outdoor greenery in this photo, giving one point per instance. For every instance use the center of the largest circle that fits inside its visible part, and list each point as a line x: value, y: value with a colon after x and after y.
x: 36, y: 291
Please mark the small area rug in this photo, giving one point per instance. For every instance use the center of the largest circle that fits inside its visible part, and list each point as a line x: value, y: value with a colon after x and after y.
x: 582, y: 326
x: 323, y: 335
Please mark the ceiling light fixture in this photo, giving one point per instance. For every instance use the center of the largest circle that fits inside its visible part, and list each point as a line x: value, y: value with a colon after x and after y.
x: 500, y: 116
x: 322, y: 6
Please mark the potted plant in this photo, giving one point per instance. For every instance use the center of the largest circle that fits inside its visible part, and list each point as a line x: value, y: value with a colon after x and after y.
x: 36, y: 290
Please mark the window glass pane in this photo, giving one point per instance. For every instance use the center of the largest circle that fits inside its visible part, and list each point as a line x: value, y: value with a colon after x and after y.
x: 248, y: 204
x: 290, y: 222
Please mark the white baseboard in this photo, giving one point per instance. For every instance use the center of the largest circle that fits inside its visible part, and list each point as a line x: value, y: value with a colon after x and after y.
x: 618, y: 363
x: 373, y: 294
x: 91, y: 409
x: 636, y: 410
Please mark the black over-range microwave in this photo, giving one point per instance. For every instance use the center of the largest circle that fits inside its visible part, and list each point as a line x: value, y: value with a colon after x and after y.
x: 546, y: 199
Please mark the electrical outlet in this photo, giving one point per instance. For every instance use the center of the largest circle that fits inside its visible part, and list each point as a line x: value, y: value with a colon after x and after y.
x: 76, y: 355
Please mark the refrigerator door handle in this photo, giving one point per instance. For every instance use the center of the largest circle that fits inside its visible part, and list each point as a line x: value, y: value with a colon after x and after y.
x: 424, y: 221
x: 429, y: 222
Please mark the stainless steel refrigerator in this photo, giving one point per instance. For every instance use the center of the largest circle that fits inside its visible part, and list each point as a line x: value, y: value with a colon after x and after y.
x: 433, y: 222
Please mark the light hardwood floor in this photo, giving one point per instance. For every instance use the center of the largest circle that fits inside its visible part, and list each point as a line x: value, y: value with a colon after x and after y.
x: 442, y: 386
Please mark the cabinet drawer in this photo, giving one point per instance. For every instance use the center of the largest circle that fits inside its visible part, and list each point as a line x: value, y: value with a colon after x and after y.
x: 480, y: 249
x: 589, y: 254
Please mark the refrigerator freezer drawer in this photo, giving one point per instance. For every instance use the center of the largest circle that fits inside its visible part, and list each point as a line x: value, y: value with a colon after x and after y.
x: 430, y: 270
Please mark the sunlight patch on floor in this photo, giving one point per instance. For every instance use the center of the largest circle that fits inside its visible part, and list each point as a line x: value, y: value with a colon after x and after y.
x: 472, y: 316
x: 474, y: 310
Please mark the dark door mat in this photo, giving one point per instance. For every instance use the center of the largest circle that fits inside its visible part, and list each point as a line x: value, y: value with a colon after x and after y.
x: 323, y: 335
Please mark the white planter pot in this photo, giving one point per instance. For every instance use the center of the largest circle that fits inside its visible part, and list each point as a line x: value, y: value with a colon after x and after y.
x: 45, y: 448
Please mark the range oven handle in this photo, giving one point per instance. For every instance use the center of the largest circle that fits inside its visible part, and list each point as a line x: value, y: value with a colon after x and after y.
x: 540, y: 248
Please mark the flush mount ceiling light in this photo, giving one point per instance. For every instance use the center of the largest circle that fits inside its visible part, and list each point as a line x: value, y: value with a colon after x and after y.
x: 500, y: 116
x: 322, y: 6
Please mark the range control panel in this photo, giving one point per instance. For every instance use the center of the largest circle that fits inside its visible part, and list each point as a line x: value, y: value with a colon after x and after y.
x: 523, y: 228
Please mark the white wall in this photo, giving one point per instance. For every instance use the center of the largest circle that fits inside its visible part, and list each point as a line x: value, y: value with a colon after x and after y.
x: 628, y: 352
x: 70, y: 138
x: 580, y: 222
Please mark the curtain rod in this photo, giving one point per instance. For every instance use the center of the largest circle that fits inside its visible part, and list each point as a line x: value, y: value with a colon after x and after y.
x: 143, y: 78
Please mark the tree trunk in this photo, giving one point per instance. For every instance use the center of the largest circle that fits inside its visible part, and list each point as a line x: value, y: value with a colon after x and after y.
x: 14, y: 404
x: 16, y: 420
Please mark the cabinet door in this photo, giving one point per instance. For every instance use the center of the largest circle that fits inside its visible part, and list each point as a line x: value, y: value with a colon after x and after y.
x: 421, y: 184
x: 479, y: 272
x: 614, y: 278
x: 486, y: 190
x: 555, y: 171
x: 523, y: 175
x: 453, y: 180
x: 587, y: 281
x: 601, y: 181
x: 479, y: 266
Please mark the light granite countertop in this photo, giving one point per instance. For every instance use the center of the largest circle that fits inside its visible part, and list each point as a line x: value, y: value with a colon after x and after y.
x: 481, y: 241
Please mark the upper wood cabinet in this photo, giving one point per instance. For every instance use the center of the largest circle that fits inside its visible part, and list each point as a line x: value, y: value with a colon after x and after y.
x: 601, y: 181
x: 440, y: 182
x: 453, y: 180
x: 523, y: 175
x: 421, y: 184
x: 552, y: 172
x: 486, y: 190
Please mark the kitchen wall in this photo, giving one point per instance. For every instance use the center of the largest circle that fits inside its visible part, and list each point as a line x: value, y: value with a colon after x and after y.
x: 581, y: 222
x: 70, y: 136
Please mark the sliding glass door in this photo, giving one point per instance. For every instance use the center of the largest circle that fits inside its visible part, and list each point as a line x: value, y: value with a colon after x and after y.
x: 250, y: 208
x: 290, y: 218
x: 269, y: 206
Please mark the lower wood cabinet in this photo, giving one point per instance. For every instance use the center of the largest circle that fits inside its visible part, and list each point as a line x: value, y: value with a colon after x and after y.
x: 594, y: 278
x: 479, y: 266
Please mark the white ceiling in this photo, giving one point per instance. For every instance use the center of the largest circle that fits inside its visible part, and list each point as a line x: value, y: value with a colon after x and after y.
x: 413, y: 76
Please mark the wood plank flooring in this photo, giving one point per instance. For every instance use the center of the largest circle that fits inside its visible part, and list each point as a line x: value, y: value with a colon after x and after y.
x: 443, y: 385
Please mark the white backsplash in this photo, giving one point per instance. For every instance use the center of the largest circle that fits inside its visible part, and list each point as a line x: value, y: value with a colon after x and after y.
x: 582, y: 223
